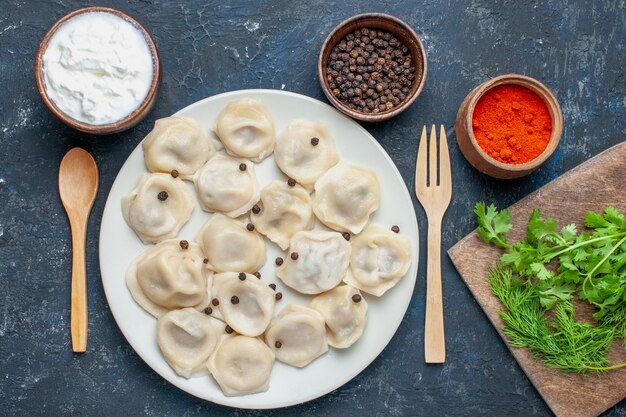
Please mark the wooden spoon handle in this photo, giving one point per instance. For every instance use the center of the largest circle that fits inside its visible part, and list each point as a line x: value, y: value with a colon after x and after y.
x: 434, y: 339
x: 78, y: 313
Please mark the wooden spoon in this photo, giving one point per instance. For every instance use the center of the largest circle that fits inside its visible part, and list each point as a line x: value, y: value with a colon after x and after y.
x: 78, y: 184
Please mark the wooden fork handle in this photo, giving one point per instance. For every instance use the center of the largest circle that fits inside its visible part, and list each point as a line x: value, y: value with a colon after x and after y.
x: 434, y: 340
x: 78, y: 312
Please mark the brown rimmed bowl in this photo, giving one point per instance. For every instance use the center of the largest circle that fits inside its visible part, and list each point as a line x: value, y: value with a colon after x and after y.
x: 105, y: 129
x: 387, y: 23
x: 479, y: 158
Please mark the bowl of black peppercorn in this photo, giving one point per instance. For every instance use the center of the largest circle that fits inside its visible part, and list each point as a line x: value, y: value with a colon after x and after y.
x: 372, y: 67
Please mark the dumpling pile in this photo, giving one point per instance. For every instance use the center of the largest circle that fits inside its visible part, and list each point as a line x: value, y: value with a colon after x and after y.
x: 215, y: 315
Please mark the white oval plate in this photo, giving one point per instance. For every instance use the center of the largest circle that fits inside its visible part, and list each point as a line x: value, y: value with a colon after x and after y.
x: 288, y: 385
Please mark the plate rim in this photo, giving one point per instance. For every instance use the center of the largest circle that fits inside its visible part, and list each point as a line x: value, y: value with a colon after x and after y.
x: 231, y: 401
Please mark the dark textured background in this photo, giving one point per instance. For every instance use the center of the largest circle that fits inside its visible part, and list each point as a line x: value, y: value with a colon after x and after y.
x: 578, y: 48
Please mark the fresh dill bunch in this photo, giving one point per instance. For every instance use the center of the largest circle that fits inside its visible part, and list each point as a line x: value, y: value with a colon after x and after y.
x: 559, y: 341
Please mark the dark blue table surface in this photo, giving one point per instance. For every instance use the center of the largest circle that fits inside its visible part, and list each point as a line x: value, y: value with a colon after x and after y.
x: 577, y: 48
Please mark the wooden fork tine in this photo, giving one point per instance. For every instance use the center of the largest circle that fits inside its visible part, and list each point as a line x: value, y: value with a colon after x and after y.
x: 445, y: 175
x: 420, y: 166
x: 432, y: 178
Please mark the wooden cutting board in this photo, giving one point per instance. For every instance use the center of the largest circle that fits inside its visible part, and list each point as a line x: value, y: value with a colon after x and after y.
x: 590, y: 186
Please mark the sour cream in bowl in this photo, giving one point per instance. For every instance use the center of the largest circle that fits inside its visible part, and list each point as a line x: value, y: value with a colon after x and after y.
x: 98, y: 70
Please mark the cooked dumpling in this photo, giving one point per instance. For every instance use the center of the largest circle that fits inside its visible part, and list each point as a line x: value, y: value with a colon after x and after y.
x: 230, y: 246
x: 158, y: 207
x: 246, y: 129
x: 241, y: 365
x: 187, y: 338
x: 176, y: 144
x: 321, y: 261
x: 167, y: 277
x: 379, y: 259
x: 345, y: 196
x: 345, y: 313
x: 305, y: 151
x: 284, y: 210
x: 243, y: 301
x: 297, y: 335
x: 226, y: 184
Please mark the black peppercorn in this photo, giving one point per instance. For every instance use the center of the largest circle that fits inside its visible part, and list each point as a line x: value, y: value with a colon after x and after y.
x: 215, y: 302
x: 279, y: 261
x: 273, y: 286
x: 279, y: 296
x: 278, y: 344
x: 294, y: 255
x: 234, y: 299
x: 256, y: 209
x: 250, y: 227
x: 208, y: 311
x: 395, y: 229
x: 242, y: 276
x: 257, y: 274
x: 316, y: 141
x: 174, y: 173
x: 242, y: 167
x: 184, y: 244
x: 346, y: 235
x: 205, y: 261
x: 369, y: 58
x: 228, y: 329
x: 162, y: 195
x: 291, y: 182
x: 356, y: 298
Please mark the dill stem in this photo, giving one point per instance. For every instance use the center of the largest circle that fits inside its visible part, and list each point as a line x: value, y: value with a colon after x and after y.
x: 606, y: 368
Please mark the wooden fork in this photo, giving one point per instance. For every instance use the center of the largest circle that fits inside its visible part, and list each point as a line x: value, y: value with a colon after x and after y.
x: 434, y: 196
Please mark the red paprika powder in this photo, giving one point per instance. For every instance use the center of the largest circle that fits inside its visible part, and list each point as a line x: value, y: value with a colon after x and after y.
x: 512, y: 124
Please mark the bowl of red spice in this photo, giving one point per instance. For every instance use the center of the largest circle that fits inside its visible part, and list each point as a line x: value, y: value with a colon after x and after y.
x: 372, y: 67
x: 508, y: 126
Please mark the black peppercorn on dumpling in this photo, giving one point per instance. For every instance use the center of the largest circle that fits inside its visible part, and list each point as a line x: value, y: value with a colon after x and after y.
x: 283, y: 211
x: 244, y: 302
x: 167, y: 277
x: 187, y: 338
x: 227, y: 185
x: 158, y: 207
x: 297, y: 335
x: 379, y: 259
x: 318, y: 261
x: 305, y: 151
x: 230, y: 246
x: 345, y: 314
x: 178, y: 144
